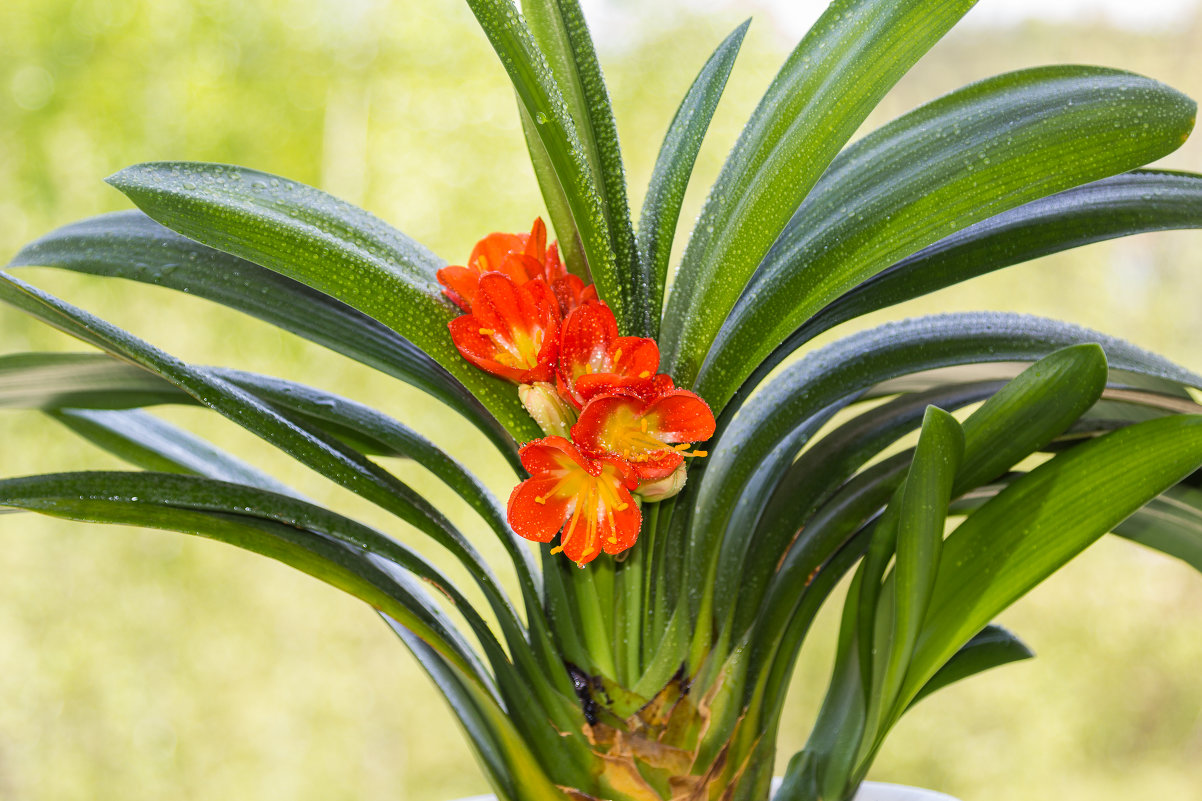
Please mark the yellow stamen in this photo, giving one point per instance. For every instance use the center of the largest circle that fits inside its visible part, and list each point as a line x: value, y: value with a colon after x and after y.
x: 622, y: 507
x: 556, y: 549
x: 483, y: 261
x: 539, y: 500
x: 683, y: 447
x: 645, y: 374
x: 643, y: 425
x: 487, y: 332
x: 617, y: 355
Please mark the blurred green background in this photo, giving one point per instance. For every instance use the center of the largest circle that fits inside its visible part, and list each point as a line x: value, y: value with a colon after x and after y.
x: 143, y: 665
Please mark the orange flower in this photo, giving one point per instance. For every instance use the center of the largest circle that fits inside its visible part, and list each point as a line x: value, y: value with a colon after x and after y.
x: 520, y: 257
x: 650, y: 434
x: 593, y: 359
x: 588, y: 499
x: 513, y: 330
x: 571, y: 292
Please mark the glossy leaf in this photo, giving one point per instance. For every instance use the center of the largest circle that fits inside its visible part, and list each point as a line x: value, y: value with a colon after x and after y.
x: 976, y: 152
x: 1122, y: 205
x: 674, y: 166
x: 130, y: 245
x: 335, y: 414
x: 810, y: 481
x: 775, y: 423
x: 560, y: 29
x: 541, y: 98
x: 505, y: 756
x: 306, y: 537
x: 838, y: 72
x: 151, y: 443
x: 1040, y: 522
x: 555, y: 199
x: 921, y: 516
x: 147, y: 442
x: 324, y: 243
x: 319, y: 453
x: 1171, y: 523
x: 1026, y: 414
x: 992, y: 646
x: 55, y: 380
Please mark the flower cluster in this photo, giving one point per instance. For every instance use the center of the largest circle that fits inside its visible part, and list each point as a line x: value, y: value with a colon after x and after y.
x: 618, y: 429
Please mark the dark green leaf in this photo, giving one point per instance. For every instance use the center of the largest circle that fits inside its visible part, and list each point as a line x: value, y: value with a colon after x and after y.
x: 991, y: 647
x: 1026, y: 414
x: 544, y: 103
x: 674, y: 165
x: 958, y: 160
x: 324, y: 243
x: 1171, y: 523
x: 824, y: 91
x: 822, y: 469
x: 772, y: 427
x: 1122, y: 205
x: 560, y: 28
x: 921, y: 516
x: 309, y: 538
x: 505, y: 755
x: 152, y: 444
x: 318, y: 452
x: 130, y: 245
x: 55, y: 380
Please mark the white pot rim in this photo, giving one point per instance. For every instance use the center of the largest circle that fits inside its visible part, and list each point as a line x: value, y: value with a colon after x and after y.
x: 869, y: 791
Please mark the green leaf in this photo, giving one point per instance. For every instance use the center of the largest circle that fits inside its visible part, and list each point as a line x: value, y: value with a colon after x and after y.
x: 1121, y: 205
x: 541, y: 98
x: 1026, y: 414
x: 824, y: 541
x: 556, y: 201
x: 321, y: 454
x: 130, y: 245
x: 811, y: 480
x: 505, y: 755
x: 921, y: 516
x: 172, y: 501
x: 324, y: 243
x: 824, y: 91
x: 772, y: 427
x: 560, y: 29
x: 1171, y: 523
x: 674, y: 165
x: 152, y: 444
x: 990, y: 647
x: 1043, y: 520
x: 309, y: 538
x: 1001, y: 432
x: 958, y: 160
x: 55, y: 380
x: 335, y: 414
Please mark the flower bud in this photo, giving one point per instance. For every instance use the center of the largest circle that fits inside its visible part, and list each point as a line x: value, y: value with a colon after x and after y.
x: 552, y: 413
x: 667, y: 487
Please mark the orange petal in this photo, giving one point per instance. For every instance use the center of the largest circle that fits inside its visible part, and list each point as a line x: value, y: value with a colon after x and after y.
x: 534, y: 511
x: 490, y: 252
x: 459, y: 285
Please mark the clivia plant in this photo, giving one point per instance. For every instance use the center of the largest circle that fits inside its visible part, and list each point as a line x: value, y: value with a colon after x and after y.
x: 694, y: 494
